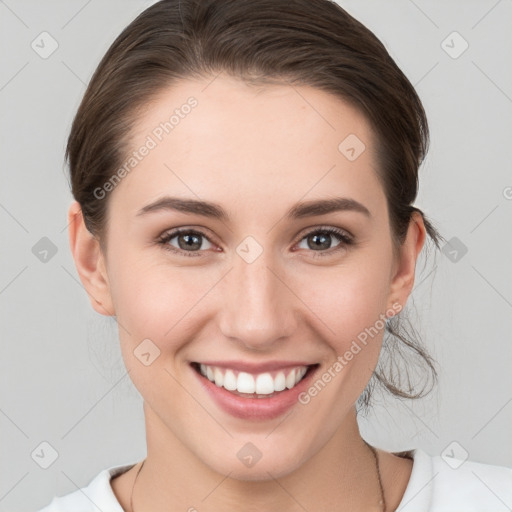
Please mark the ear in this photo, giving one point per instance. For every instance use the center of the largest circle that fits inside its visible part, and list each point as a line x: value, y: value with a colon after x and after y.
x: 404, y: 269
x: 89, y: 262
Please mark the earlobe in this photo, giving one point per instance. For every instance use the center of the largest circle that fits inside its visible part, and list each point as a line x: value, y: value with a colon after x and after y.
x: 403, y: 280
x: 89, y: 262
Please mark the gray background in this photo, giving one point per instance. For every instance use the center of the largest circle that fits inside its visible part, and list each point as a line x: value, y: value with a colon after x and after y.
x: 63, y: 379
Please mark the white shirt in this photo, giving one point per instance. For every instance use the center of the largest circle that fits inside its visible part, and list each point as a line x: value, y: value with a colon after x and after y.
x: 434, y: 486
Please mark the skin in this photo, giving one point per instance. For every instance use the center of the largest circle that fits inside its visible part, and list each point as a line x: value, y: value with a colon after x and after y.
x: 256, y: 152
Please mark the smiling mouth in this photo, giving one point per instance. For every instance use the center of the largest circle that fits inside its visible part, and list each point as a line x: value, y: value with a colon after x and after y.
x: 249, y: 385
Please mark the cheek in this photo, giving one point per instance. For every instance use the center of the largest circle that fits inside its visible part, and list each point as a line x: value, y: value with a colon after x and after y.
x: 347, y: 299
x: 160, y: 301
x: 152, y: 300
x: 157, y: 310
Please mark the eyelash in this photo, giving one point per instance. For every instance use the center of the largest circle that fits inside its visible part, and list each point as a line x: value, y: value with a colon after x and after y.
x: 343, y: 237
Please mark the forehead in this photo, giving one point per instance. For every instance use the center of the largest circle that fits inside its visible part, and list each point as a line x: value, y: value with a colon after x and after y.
x: 219, y: 137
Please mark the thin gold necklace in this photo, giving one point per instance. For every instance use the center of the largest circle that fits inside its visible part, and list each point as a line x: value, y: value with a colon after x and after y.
x: 133, y: 486
x: 382, y: 499
x: 374, y: 452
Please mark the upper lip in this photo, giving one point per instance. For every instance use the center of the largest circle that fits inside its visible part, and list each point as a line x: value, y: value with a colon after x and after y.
x: 251, y: 367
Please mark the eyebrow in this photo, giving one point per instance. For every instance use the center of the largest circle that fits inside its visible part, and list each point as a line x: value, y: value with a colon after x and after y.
x: 215, y: 211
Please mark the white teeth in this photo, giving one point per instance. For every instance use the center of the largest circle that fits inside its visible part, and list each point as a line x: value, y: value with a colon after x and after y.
x: 261, y: 384
x: 230, y: 381
x: 299, y: 374
x: 279, y: 382
x: 245, y: 383
x: 290, y: 379
x: 264, y: 384
x: 219, y: 378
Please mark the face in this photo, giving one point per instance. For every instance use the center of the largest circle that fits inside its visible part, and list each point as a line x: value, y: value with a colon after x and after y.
x: 272, y: 284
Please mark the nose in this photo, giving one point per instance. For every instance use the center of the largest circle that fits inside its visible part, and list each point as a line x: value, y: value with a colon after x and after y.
x: 258, y: 307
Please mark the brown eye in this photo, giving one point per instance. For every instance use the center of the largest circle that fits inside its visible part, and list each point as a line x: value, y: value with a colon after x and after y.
x: 320, y: 241
x: 189, y: 242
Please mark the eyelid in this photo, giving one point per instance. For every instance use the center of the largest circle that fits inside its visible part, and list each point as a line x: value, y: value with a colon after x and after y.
x: 172, y: 232
x: 327, y: 227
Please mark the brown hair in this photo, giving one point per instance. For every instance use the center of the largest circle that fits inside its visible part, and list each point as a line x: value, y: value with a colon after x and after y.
x: 300, y: 42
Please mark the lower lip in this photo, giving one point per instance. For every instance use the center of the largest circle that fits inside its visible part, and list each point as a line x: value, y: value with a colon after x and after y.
x: 255, y: 408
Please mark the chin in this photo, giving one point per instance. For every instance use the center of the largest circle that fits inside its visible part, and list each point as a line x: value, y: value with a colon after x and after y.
x: 260, y: 472
x: 251, y: 464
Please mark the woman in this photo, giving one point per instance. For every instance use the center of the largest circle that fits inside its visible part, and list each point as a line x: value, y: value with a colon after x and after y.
x: 244, y: 173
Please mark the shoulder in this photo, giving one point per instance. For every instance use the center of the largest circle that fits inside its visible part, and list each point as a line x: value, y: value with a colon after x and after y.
x: 97, y: 495
x: 447, y: 484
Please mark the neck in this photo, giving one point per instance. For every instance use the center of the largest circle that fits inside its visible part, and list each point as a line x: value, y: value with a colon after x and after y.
x: 341, y: 476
